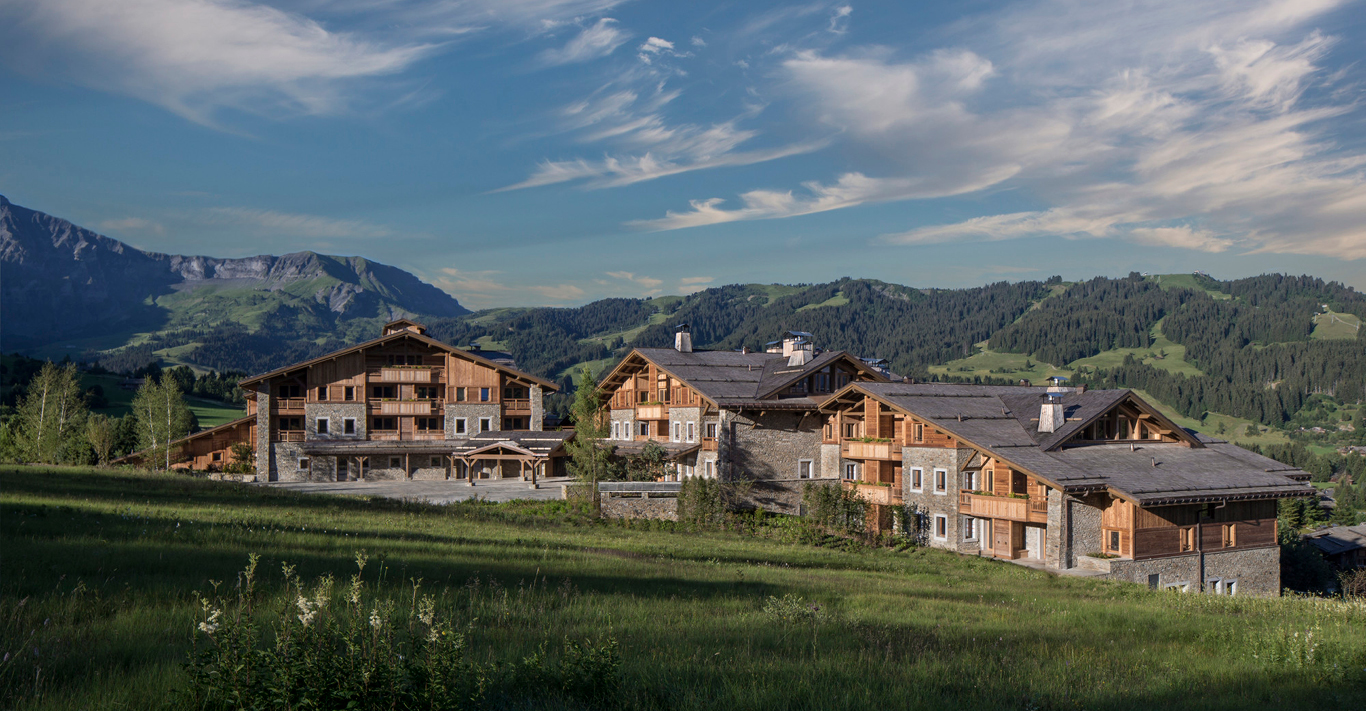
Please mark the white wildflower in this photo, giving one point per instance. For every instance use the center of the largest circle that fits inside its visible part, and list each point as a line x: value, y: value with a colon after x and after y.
x: 375, y: 621
x: 306, y: 611
x: 211, y: 625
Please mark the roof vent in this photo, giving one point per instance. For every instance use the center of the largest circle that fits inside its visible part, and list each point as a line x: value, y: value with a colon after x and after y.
x: 683, y: 338
x: 1051, y: 416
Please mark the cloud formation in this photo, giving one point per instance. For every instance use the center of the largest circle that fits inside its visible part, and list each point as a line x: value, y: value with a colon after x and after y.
x: 287, y: 224
x: 1124, y: 122
x: 595, y: 41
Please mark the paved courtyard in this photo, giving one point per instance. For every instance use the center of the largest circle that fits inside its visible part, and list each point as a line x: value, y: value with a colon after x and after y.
x: 433, y: 492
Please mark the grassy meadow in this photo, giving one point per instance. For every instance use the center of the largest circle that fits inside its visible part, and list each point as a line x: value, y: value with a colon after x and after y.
x: 100, y: 569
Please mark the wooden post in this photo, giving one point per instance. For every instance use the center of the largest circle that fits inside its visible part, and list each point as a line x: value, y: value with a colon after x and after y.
x: 534, y: 483
x: 407, y: 466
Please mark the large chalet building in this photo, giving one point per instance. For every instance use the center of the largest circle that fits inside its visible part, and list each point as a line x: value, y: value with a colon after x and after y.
x: 1066, y: 478
x: 732, y: 414
x: 401, y: 406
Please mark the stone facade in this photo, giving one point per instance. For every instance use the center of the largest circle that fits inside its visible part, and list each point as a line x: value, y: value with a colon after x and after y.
x: 945, y: 504
x: 1082, y: 532
x: 472, y: 413
x: 770, y: 446
x: 336, y: 415
x: 537, y: 409
x: 1253, y: 571
x: 782, y: 496
x: 831, y: 464
x: 264, y: 458
x: 626, y: 418
x: 1053, y: 544
x: 284, y: 462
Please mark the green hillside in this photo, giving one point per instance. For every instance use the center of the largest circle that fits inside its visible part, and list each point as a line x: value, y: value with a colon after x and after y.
x: 101, y: 571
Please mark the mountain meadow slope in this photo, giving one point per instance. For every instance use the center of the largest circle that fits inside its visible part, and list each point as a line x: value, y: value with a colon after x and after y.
x: 98, y: 609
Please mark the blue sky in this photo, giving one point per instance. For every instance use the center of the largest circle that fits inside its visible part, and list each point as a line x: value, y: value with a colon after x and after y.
x: 521, y: 152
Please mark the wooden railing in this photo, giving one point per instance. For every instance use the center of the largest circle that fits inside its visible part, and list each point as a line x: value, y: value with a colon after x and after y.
x: 405, y: 407
x: 986, y: 506
x: 414, y: 374
x: 288, y: 403
x: 709, y: 444
x: 871, y: 450
x: 1038, y: 504
x: 289, y: 436
x: 384, y: 435
x: 873, y: 493
x: 519, y: 404
x: 651, y: 412
x: 429, y: 435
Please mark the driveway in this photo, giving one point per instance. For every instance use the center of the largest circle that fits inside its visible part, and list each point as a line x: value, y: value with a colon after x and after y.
x: 432, y: 492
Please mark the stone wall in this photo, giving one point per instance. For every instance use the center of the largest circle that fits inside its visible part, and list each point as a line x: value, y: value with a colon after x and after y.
x: 1053, y: 544
x: 265, y: 459
x: 1255, y: 571
x: 782, y: 496
x: 664, y: 508
x: 1083, y: 535
x: 537, y: 409
x: 683, y: 416
x: 284, y: 462
x: 627, y: 418
x: 472, y: 412
x: 831, y: 464
x: 770, y: 446
x: 939, y: 504
x: 336, y: 414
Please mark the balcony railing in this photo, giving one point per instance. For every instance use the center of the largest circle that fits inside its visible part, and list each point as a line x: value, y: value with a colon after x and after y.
x: 288, y: 403
x: 871, y: 450
x: 873, y: 493
x: 405, y: 407
x: 651, y: 412
x: 709, y: 444
x: 413, y: 374
x: 517, y: 404
x: 986, y: 506
x: 289, y: 436
x: 429, y: 435
x: 1038, y: 505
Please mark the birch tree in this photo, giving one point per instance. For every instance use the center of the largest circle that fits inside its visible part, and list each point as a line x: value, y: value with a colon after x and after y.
x: 52, y: 413
x: 163, y: 417
x: 99, y: 432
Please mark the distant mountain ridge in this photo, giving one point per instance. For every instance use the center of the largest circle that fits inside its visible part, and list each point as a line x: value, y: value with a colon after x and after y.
x: 62, y: 281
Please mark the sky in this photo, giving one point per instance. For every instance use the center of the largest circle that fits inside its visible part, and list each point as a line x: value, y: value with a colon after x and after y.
x: 553, y: 152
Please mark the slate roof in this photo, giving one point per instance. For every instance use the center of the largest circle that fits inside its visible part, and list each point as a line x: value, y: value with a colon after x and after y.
x: 541, y: 444
x: 1003, y: 420
x: 1338, y: 539
x: 734, y: 379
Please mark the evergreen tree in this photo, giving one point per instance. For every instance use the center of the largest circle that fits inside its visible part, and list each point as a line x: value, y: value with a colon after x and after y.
x: 162, y: 418
x: 590, y: 460
x: 52, y: 414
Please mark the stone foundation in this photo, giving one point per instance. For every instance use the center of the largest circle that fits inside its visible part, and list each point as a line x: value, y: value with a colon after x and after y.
x: 1256, y: 571
x: 665, y: 509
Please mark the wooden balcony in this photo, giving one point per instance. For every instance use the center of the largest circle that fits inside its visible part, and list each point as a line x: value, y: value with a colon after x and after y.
x: 289, y: 436
x: 406, y: 407
x: 288, y: 403
x: 708, y: 444
x: 871, y: 450
x: 652, y: 412
x: 517, y: 404
x: 1003, y: 507
x: 412, y: 374
x: 873, y: 493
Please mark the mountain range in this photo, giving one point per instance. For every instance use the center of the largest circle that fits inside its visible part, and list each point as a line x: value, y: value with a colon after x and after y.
x: 62, y: 282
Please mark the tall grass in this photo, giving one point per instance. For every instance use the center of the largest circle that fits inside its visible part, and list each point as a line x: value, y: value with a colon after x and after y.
x: 100, y: 572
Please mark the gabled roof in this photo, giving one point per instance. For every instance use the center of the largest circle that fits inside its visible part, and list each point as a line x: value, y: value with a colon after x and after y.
x: 391, y: 338
x: 734, y: 379
x: 1338, y: 539
x: 247, y: 420
x: 1003, y: 421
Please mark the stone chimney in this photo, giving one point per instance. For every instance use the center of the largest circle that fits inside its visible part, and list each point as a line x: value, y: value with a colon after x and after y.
x: 1051, y: 415
x: 683, y: 338
x: 799, y: 353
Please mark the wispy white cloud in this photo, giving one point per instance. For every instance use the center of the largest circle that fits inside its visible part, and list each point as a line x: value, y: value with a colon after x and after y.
x: 1125, y: 121
x: 559, y: 292
x: 133, y: 225
x: 271, y: 222
x: 597, y: 40
x: 692, y: 285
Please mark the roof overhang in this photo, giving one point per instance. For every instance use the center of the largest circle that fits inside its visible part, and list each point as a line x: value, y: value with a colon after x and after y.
x: 1129, y: 398
x: 625, y: 368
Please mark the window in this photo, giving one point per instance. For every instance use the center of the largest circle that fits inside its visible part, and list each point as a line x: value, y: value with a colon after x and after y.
x: 841, y: 379
x: 349, y: 393
x: 1188, y: 538
x: 512, y: 423
x: 850, y: 471
x: 436, y: 462
x: 486, y: 424
x: 483, y: 394
x: 459, y: 425
x: 459, y: 394
x: 822, y: 382
x: 217, y: 456
x: 322, y: 425
x: 304, y: 462
x: 644, y: 429
x: 429, y: 424
x: 970, y: 480
x: 711, y: 430
x: 678, y: 431
x: 804, y: 468
x: 426, y: 392
x: 384, y: 424
x: 322, y: 392
x: 291, y: 391
x: 405, y: 360
x: 1154, y: 580
x: 1230, y: 587
x: 941, y: 527
x: 1230, y: 535
x: 616, y: 430
x: 711, y: 468
x: 395, y: 462
x: 291, y: 424
x: 384, y: 392
x: 349, y: 426
x: 1112, y: 541
x: 941, y: 481
x: 917, y: 479
x: 919, y: 432
x: 969, y: 528
x: 850, y: 430
x: 692, y: 432
x: 991, y: 480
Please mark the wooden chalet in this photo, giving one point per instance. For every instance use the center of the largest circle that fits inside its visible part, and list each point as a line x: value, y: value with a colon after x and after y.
x: 1067, y: 477
x: 403, y: 405
x: 732, y: 414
